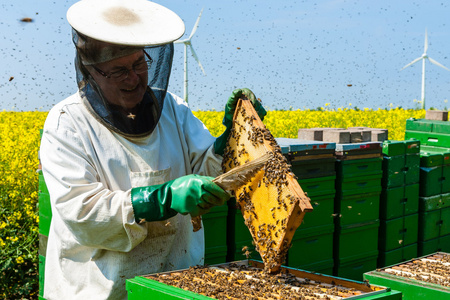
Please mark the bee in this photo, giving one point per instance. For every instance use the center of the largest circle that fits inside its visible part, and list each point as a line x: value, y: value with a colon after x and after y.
x: 26, y: 20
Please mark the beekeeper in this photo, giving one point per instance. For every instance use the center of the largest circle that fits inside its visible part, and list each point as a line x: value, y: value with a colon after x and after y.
x: 126, y: 162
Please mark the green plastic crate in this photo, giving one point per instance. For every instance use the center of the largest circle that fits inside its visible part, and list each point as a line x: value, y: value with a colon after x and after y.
x: 360, y: 208
x: 318, y: 186
x: 388, y: 258
x: 394, y: 171
x: 358, y: 239
x: 431, y: 159
x: 359, y: 167
x: 412, y: 146
x: 215, y: 227
x: 311, y: 245
x: 430, y: 181
x: 441, y: 243
x: 400, y: 201
x: 412, y: 168
x: 215, y: 231
x: 394, y: 148
x: 433, y: 224
x: 322, y: 214
x: 355, y: 266
x: 398, y: 233
x: 445, y: 182
x: 423, y: 125
x: 429, y: 138
x: 313, y: 167
x: 434, y: 202
x: 358, y: 185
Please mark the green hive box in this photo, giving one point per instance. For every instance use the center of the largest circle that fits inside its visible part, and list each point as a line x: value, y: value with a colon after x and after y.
x: 322, y: 214
x: 441, y: 243
x: 388, y: 258
x: 309, y: 167
x: 363, y: 184
x: 311, y: 245
x: 429, y: 138
x: 411, y: 289
x: 215, y: 228
x: 357, y: 239
x: 393, y: 148
x: 412, y: 167
x: 398, y: 233
x: 400, y: 201
x: 318, y: 186
x: 355, y: 266
x: 433, y: 224
x: 393, y: 171
x: 430, y: 181
x: 144, y: 287
x: 360, y: 208
x: 358, y: 167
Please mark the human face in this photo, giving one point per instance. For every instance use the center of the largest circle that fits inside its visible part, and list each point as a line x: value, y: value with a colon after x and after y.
x: 126, y: 93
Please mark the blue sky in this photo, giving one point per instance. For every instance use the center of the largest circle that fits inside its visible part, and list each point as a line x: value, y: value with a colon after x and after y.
x: 292, y: 54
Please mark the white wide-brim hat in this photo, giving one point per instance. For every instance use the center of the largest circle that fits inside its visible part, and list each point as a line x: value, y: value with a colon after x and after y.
x: 126, y: 22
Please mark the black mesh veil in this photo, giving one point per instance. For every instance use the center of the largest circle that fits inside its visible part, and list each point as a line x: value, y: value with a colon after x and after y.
x: 149, y: 109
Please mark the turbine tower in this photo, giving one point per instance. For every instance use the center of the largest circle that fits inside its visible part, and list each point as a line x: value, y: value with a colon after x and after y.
x: 423, y: 58
x: 187, y: 42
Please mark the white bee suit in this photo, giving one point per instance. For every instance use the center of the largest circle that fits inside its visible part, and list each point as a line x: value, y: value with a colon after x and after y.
x: 94, y: 242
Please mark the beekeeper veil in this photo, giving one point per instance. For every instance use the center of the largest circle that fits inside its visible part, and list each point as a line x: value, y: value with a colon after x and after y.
x: 107, y: 30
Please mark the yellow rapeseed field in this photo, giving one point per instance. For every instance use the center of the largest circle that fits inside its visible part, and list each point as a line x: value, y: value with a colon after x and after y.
x: 19, y: 136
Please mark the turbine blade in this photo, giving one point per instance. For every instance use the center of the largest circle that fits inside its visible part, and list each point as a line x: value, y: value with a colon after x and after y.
x: 196, y: 25
x: 437, y: 64
x: 196, y: 58
x: 425, y: 48
x: 411, y: 63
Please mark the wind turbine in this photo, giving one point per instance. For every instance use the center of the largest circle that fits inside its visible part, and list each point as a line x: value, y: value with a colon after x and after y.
x: 187, y: 42
x: 423, y: 58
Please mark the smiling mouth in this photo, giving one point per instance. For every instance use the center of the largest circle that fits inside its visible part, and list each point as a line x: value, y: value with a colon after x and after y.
x: 130, y: 90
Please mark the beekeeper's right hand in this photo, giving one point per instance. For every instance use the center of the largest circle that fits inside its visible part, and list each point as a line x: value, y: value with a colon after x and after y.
x: 193, y: 194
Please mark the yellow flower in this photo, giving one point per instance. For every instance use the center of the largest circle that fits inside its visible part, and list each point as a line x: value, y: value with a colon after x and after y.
x: 19, y: 260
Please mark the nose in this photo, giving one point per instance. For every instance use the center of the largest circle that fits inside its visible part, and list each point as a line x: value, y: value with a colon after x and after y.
x: 132, y: 75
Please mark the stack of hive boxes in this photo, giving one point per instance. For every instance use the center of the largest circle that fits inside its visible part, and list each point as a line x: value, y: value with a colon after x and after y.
x: 313, y: 163
x: 399, y: 203
x: 358, y: 189
x: 356, y: 203
x: 434, y: 190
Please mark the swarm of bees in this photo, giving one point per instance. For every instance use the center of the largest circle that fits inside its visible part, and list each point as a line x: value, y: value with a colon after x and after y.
x: 272, y: 203
x: 237, y: 281
x: 433, y: 269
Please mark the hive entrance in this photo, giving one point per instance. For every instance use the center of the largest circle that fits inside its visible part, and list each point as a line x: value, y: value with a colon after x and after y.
x: 272, y: 203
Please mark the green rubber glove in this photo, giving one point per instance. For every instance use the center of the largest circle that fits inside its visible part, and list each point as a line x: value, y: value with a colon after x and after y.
x: 193, y: 194
x: 230, y: 107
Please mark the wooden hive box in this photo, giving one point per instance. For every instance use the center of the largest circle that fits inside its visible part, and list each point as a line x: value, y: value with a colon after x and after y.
x: 273, y: 204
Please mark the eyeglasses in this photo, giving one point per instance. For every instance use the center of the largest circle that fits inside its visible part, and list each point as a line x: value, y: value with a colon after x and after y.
x: 123, y: 73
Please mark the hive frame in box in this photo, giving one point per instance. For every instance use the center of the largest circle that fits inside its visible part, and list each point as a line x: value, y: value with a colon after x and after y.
x: 273, y: 204
x: 144, y: 287
x: 411, y: 289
